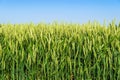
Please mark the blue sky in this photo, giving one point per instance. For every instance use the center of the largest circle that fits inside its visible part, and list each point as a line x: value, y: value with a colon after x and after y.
x: 76, y: 11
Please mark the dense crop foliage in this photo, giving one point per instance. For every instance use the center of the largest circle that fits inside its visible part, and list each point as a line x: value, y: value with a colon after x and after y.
x: 59, y: 52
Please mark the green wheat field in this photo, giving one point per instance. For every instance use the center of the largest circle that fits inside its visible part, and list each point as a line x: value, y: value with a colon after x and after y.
x: 60, y: 51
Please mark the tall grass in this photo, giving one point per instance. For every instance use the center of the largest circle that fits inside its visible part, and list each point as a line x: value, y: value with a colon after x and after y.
x: 59, y: 51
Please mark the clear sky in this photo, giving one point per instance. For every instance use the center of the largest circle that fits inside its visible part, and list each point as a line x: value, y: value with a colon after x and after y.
x: 78, y: 11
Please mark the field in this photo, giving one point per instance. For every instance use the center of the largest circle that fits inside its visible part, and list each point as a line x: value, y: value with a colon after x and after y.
x: 60, y: 51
